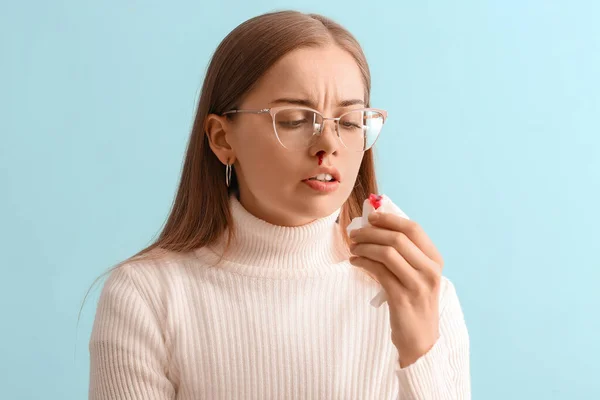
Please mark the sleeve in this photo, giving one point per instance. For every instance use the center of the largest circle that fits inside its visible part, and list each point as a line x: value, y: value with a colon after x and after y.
x: 443, y: 373
x: 128, y: 356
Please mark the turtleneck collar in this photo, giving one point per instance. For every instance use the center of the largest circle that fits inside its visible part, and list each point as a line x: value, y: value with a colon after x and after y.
x: 260, y: 244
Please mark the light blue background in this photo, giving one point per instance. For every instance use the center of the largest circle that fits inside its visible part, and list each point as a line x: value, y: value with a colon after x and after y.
x: 493, y: 146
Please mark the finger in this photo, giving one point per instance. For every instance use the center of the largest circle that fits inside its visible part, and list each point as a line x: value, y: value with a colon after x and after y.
x: 399, y: 241
x: 392, y: 260
x: 410, y: 228
x: 381, y: 274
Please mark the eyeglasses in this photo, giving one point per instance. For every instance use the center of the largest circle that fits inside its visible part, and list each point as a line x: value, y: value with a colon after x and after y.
x: 298, y: 128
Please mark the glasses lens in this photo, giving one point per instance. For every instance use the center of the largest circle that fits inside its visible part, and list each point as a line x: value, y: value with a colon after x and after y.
x: 360, y: 129
x: 296, y: 128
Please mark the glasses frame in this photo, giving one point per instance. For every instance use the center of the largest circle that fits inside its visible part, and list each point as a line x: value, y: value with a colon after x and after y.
x: 274, y: 110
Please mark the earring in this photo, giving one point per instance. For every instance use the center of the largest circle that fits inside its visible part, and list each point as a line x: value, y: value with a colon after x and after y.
x: 228, y: 174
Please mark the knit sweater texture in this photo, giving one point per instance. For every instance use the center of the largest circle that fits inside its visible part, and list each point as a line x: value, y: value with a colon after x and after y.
x: 283, y: 316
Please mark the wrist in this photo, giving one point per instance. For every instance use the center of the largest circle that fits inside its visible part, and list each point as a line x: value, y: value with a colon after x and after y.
x: 410, y: 354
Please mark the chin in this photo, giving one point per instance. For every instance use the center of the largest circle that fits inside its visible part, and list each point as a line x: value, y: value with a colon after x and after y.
x: 316, y: 206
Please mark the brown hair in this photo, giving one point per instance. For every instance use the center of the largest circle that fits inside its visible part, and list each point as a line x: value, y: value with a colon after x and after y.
x: 200, y: 212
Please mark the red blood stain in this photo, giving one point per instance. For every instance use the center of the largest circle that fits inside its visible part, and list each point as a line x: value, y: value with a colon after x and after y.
x: 320, y: 155
x: 375, y: 200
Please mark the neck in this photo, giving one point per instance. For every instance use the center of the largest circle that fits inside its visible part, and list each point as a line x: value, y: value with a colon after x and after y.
x: 259, y: 243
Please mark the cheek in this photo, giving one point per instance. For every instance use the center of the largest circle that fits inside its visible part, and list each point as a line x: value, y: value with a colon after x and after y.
x: 353, y: 165
x: 265, y: 162
x: 253, y: 141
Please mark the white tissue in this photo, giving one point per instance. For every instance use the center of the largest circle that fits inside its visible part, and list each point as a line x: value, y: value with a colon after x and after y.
x: 386, y: 206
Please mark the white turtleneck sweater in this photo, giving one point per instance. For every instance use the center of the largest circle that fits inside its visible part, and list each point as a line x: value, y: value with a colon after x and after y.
x: 285, y: 316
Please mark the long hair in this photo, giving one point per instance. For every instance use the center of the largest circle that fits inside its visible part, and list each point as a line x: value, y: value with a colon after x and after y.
x: 200, y: 212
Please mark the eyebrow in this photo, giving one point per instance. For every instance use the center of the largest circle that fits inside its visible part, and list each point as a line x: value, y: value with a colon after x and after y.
x: 311, y: 104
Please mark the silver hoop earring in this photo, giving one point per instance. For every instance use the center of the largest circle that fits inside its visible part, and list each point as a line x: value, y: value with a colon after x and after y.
x: 228, y: 174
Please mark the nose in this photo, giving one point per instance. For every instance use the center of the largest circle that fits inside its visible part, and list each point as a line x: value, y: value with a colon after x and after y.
x: 327, y: 138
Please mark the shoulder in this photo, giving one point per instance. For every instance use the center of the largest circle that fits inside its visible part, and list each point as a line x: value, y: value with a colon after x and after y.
x: 448, y: 294
x: 149, y: 276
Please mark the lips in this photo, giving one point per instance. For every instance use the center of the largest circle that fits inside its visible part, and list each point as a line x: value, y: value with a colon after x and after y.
x: 323, y: 187
x: 325, y: 170
x: 323, y: 178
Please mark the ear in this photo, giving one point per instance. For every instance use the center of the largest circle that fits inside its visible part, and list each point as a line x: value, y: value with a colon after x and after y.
x: 217, y: 129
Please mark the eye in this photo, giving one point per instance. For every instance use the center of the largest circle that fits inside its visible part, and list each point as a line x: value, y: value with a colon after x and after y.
x: 294, y: 119
x: 296, y: 122
x: 350, y: 124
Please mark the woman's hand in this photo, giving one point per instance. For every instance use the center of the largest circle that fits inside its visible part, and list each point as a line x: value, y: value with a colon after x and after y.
x: 402, y: 258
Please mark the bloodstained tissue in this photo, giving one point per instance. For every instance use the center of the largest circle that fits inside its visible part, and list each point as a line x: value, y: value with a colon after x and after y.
x: 375, y: 200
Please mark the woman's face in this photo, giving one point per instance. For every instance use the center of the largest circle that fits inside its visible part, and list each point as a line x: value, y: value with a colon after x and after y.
x: 271, y: 177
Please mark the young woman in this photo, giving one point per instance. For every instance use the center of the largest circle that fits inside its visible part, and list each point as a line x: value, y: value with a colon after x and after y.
x: 251, y: 290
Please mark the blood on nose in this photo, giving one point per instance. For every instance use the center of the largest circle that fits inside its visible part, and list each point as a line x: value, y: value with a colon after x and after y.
x: 320, y: 155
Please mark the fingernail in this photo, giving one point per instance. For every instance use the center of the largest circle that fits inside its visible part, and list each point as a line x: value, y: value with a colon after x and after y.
x: 373, y: 216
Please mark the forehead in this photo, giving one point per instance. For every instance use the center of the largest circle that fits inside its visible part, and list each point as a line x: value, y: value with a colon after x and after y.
x: 321, y: 74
